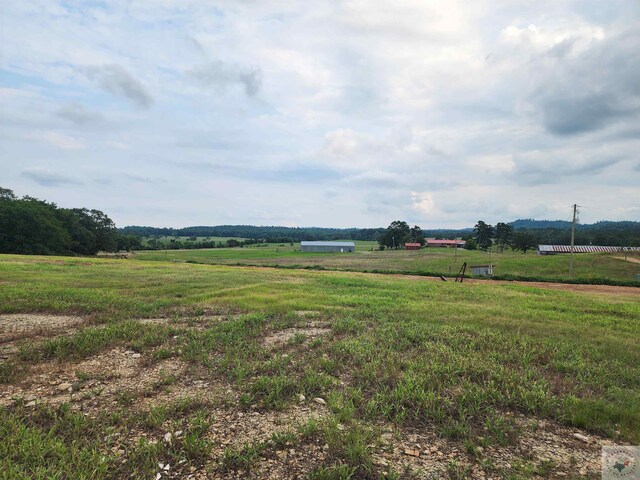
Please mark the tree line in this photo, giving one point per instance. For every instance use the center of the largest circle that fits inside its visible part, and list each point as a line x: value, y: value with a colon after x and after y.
x: 503, y: 236
x: 270, y: 234
x: 508, y: 235
x: 540, y: 232
x: 32, y: 226
x: 191, y: 243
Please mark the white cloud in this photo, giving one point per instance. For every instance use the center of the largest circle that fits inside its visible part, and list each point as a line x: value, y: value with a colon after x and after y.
x: 62, y: 141
x: 430, y: 111
x: 492, y: 164
x: 542, y: 39
x: 341, y: 143
x: 424, y: 203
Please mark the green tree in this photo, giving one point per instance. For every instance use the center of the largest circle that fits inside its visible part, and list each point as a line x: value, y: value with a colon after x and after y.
x: 396, y: 235
x: 6, y: 194
x: 484, y: 234
x: 102, y: 234
x: 471, y: 244
x: 105, y: 231
x: 82, y: 238
x: 416, y: 235
x: 30, y: 226
x: 504, y: 235
x: 33, y: 226
x: 523, y: 241
x: 129, y: 242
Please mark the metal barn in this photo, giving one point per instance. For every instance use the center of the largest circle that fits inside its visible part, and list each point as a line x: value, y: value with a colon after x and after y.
x: 339, y: 247
x: 555, y: 249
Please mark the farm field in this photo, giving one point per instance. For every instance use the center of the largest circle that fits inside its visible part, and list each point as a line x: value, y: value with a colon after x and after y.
x: 433, y: 261
x: 151, y: 369
x: 166, y: 240
x: 262, y: 250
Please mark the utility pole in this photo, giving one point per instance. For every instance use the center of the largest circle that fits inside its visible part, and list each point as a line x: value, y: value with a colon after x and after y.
x: 573, y: 235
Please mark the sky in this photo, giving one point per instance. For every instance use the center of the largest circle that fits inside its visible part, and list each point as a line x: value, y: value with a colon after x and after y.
x: 338, y: 114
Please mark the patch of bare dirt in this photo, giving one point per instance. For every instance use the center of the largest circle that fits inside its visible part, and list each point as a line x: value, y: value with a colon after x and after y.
x: 23, y: 325
x: 102, y: 382
x: 551, y: 450
x: 234, y: 428
x: 94, y: 383
x: 283, y: 337
x: 196, y: 323
x: 542, y: 446
x: 629, y: 259
x: 155, y: 321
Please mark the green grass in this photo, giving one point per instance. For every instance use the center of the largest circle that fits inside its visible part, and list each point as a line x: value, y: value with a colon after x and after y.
x: 60, y: 443
x: 417, y: 354
x: 589, y: 268
x: 166, y: 239
x: 233, y: 255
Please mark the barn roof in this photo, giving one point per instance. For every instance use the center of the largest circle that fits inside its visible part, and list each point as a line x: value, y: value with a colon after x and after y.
x: 409, y: 244
x: 329, y: 244
x: 445, y: 242
x: 583, y: 249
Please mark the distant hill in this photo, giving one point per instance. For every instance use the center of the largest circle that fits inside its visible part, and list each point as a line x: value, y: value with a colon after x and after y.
x: 530, y: 223
x: 558, y: 232
x: 448, y: 233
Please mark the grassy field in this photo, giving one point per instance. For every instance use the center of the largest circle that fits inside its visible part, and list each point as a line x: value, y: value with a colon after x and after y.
x: 225, y: 372
x: 166, y: 239
x: 257, y: 251
x: 434, y: 261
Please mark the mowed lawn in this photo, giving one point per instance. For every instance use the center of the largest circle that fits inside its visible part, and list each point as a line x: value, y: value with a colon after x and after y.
x: 433, y: 261
x: 409, y: 352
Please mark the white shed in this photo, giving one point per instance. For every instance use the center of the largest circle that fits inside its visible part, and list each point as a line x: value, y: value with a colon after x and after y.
x: 482, y: 270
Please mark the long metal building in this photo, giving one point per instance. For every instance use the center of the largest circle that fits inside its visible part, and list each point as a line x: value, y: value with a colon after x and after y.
x: 327, y: 247
x: 555, y: 249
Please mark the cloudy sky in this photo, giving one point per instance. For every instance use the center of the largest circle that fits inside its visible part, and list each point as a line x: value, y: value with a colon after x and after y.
x: 345, y: 113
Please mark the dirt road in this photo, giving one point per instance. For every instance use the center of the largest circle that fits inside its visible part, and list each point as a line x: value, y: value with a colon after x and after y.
x: 629, y: 259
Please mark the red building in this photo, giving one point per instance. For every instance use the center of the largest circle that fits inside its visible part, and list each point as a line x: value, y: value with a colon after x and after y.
x: 412, y: 246
x: 432, y: 242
